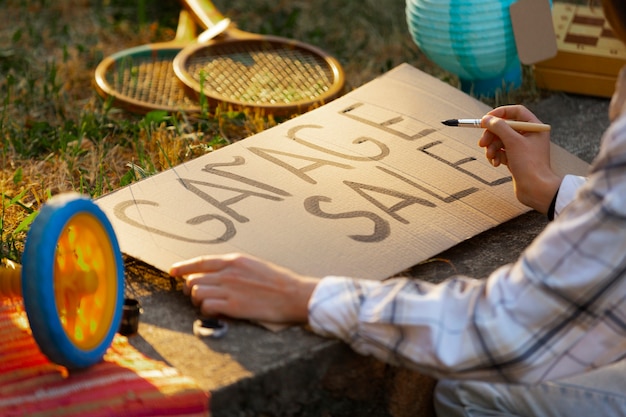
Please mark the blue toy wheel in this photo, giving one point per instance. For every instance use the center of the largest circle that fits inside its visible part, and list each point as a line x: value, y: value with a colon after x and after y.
x: 73, y: 281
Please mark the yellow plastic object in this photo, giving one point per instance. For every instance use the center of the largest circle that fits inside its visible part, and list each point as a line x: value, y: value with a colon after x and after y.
x: 82, y: 258
x: 71, y: 281
x: 82, y: 301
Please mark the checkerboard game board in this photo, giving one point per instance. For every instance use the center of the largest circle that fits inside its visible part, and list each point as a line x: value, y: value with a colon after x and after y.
x: 589, y: 56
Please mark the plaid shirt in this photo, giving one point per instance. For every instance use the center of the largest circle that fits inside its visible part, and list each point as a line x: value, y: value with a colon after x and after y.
x: 559, y: 310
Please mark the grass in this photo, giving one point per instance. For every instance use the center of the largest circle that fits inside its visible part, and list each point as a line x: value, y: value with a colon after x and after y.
x: 57, y: 134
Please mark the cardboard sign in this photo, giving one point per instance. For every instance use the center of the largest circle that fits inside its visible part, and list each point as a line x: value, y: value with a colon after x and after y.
x: 367, y: 185
x: 533, y: 30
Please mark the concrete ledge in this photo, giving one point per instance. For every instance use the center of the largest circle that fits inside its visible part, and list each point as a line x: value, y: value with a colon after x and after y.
x: 255, y: 372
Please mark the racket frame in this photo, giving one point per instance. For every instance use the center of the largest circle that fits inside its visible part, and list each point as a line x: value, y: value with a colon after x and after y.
x: 207, y: 15
x: 185, y: 34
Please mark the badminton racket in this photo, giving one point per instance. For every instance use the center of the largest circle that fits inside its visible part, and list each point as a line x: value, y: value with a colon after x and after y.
x: 141, y: 79
x: 247, y: 70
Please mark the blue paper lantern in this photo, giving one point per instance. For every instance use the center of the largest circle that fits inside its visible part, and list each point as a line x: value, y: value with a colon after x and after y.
x: 472, y: 39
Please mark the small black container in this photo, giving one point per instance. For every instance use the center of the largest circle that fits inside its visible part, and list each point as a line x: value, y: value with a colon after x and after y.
x: 130, y: 317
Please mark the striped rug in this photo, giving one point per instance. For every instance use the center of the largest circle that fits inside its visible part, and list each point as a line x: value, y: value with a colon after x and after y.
x: 126, y: 383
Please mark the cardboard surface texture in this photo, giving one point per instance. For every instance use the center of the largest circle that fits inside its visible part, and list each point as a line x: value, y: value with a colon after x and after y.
x: 367, y: 185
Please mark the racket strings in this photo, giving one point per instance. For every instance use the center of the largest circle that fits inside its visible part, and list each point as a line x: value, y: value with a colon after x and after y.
x: 268, y: 74
x: 149, y: 80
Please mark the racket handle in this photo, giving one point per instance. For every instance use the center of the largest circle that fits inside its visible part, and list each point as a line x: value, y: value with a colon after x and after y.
x: 204, y: 11
x: 186, y: 30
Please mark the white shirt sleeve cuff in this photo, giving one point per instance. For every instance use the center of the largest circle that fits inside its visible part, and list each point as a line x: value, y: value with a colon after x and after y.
x: 567, y: 192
